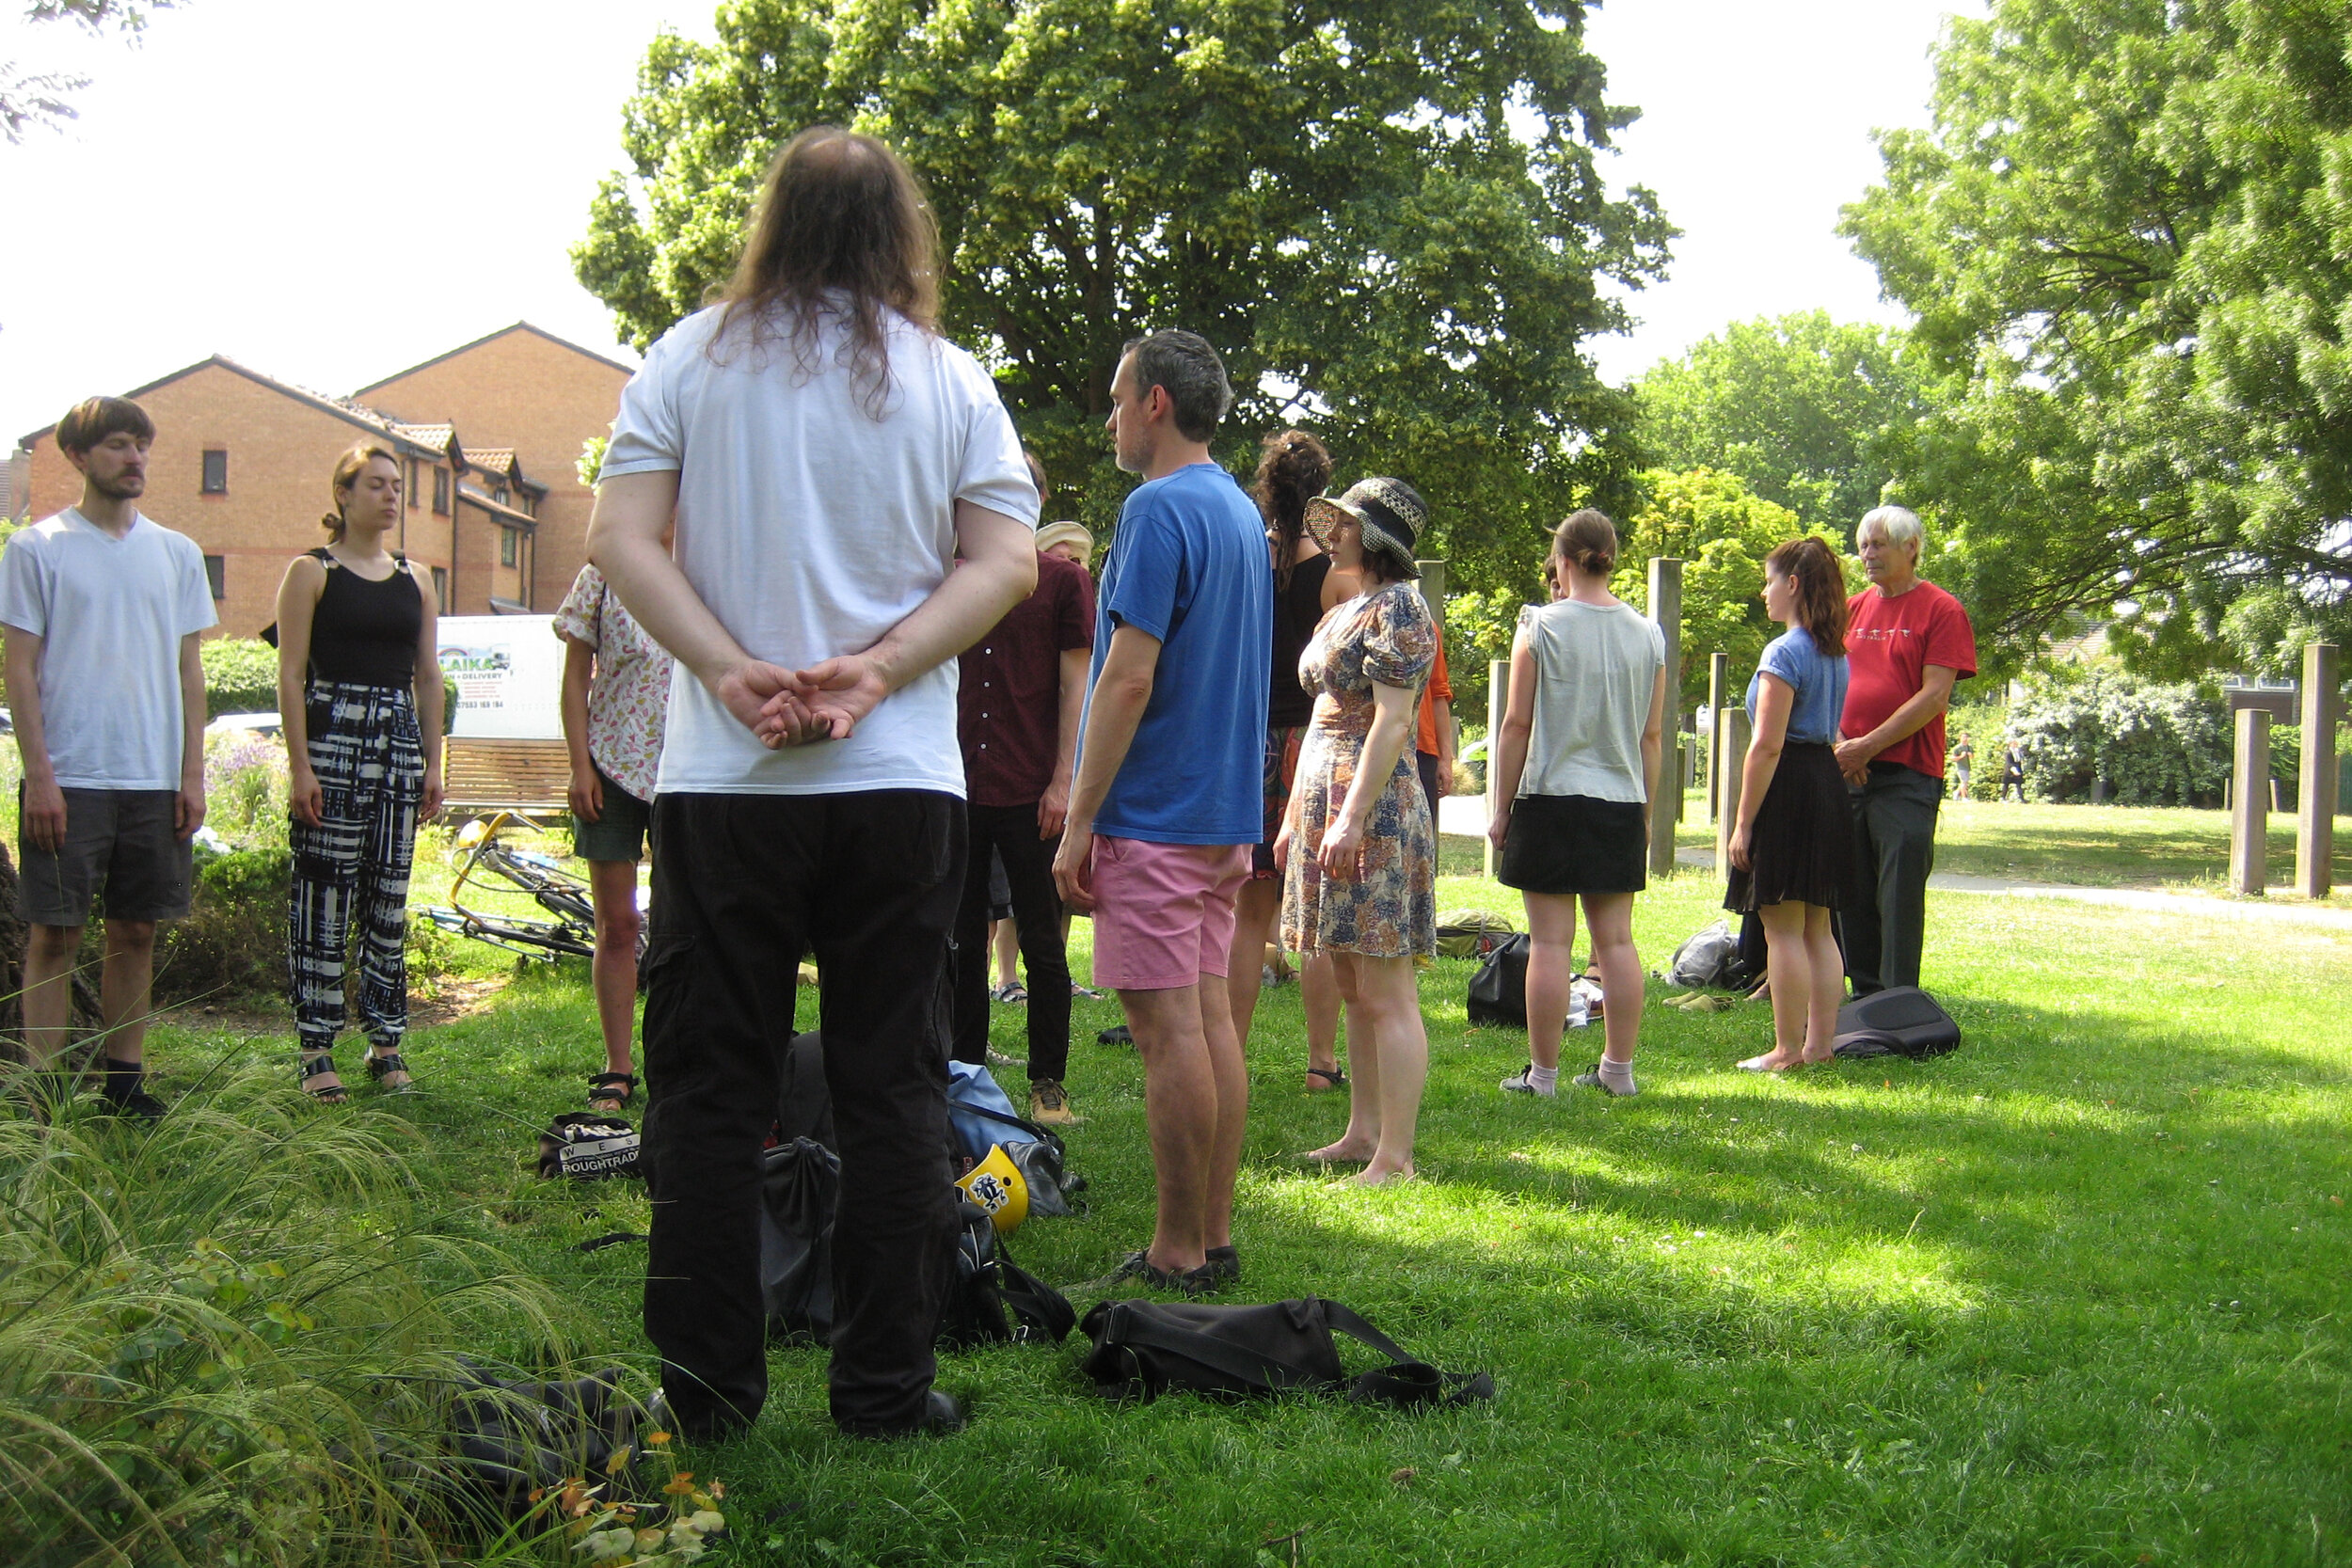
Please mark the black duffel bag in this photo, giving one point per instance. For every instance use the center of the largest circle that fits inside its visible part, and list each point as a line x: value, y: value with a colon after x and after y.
x: 1143, y: 1349
x: 1497, y: 992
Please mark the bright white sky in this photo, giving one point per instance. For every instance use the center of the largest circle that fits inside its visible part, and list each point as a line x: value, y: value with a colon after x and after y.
x: 329, y: 192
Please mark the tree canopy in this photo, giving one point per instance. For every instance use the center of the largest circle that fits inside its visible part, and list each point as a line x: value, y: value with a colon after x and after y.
x: 2128, y: 240
x: 1385, y: 214
x: 30, y: 96
x: 1809, y: 413
x: 1721, y: 532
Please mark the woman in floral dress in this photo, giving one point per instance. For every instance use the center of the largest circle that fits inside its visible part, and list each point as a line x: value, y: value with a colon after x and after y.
x: 1359, y: 850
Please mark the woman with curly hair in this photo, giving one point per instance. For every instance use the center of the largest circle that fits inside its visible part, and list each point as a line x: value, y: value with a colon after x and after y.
x: 1792, y: 842
x: 1293, y: 468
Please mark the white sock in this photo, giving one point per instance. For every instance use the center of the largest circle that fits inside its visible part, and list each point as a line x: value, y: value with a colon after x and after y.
x: 1616, y: 1077
x: 1542, y: 1080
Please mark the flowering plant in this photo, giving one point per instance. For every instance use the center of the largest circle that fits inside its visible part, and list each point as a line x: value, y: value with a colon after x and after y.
x: 612, y: 1533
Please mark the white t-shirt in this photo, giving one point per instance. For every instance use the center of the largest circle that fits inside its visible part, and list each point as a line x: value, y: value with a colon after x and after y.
x: 810, y: 528
x: 110, y: 614
x: 1595, y: 676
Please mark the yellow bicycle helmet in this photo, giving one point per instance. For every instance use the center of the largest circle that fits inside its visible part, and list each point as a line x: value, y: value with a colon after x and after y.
x: 996, y: 1186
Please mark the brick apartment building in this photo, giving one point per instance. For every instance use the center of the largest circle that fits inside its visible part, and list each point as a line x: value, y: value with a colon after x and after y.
x: 489, y: 436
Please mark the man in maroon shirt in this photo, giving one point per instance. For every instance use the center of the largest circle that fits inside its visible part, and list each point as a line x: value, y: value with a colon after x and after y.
x: 1907, y: 643
x: 1018, y: 706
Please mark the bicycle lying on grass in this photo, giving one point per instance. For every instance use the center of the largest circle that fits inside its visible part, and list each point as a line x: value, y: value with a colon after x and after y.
x: 487, y: 863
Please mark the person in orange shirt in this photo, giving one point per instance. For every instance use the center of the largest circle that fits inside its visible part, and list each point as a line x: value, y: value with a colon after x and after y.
x: 1432, y: 742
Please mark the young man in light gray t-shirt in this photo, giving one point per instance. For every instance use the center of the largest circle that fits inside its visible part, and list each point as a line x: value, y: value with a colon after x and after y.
x: 101, y: 610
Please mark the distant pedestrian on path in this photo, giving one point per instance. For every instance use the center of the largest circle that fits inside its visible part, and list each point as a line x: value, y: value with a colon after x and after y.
x: 827, y: 456
x: 616, y: 706
x: 1167, y: 801
x: 1292, y: 469
x: 1359, y: 848
x: 1909, y: 642
x: 1964, y: 758
x: 2012, y: 771
x: 1579, y: 742
x: 1793, y: 845
x: 103, y: 610
x: 360, y: 694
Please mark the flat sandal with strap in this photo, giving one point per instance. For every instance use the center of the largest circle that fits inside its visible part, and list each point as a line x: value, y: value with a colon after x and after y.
x: 328, y: 1094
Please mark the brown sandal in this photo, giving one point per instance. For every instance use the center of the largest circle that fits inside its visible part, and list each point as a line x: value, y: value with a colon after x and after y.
x: 1333, y: 1078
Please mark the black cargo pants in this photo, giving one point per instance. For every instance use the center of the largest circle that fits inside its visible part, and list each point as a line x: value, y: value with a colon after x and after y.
x: 743, y: 885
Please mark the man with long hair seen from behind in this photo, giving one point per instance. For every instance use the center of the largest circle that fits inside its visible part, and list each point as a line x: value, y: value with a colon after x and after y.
x: 827, y: 456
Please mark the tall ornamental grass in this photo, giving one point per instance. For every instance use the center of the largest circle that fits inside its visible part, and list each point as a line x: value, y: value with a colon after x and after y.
x: 229, y: 1340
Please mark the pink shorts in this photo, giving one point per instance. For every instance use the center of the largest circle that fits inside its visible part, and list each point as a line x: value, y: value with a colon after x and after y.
x: 1163, y: 913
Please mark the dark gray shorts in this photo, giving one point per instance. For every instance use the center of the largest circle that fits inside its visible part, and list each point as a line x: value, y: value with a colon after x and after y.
x: 117, y: 839
x: 618, y: 833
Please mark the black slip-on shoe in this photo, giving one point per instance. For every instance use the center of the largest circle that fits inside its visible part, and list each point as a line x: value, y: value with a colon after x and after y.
x: 943, y: 1417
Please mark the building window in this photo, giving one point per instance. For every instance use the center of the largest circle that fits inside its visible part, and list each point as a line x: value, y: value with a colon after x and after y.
x: 507, y: 554
x: 440, y: 589
x: 216, y: 575
x: 498, y: 495
x: 216, y: 472
x: 440, y: 492
x: 409, y: 488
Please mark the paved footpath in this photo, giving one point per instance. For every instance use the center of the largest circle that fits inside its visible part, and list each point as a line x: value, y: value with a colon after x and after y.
x: 1467, y: 815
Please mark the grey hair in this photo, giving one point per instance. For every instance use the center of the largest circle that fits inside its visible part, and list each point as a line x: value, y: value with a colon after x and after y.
x: 1900, y: 524
x: 1188, y: 368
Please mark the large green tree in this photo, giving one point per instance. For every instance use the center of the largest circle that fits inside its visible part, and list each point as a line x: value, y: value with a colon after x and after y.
x: 1720, y: 531
x: 2128, y: 240
x: 1808, y: 412
x: 1385, y: 214
x: 30, y: 96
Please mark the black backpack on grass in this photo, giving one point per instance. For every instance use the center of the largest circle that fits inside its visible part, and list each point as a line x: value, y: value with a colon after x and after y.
x: 993, y: 1300
x: 1497, y: 992
x: 1901, y: 1021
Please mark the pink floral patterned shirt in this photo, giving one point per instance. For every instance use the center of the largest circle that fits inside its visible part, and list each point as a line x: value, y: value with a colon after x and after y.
x: 628, y: 694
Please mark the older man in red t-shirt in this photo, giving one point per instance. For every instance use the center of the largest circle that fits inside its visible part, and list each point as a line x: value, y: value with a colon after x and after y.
x: 1907, y: 643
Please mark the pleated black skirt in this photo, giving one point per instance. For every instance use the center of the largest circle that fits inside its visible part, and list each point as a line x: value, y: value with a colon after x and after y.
x: 1802, y: 846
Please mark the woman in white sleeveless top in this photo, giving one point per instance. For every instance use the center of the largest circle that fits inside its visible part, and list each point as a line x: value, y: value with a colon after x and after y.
x: 1578, y: 746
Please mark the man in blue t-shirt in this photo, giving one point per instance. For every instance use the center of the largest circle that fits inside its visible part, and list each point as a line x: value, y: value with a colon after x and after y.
x: 1166, y: 806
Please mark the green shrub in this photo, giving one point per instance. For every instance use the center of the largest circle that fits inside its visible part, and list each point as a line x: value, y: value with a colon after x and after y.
x: 2151, y: 744
x: 246, y: 787
x: 233, y: 941
x: 228, y: 1339
x: 240, y: 676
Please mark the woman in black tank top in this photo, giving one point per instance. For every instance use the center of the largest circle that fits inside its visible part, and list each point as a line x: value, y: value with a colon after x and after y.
x: 359, y: 696
x: 1293, y: 468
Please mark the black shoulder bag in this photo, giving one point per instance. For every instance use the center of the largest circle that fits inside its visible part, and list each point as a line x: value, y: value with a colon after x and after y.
x: 1143, y: 1349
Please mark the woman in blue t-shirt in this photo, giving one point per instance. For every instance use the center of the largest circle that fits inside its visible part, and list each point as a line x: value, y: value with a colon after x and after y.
x: 1792, y: 846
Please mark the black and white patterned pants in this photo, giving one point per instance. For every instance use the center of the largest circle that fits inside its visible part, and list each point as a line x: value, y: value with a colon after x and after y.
x: 353, y: 867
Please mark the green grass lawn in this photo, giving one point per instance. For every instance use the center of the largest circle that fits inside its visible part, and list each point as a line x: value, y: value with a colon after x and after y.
x: 2094, y: 846
x: 2075, y: 1294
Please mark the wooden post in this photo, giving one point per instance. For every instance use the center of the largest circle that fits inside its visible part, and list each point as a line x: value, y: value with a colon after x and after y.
x: 2249, y: 803
x: 1498, y: 703
x: 1665, y: 793
x: 1732, y: 757
x: 1718, y: 677
x: 2316, y: 803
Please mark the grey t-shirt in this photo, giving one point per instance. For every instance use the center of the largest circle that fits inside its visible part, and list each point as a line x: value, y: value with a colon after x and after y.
x: 1596, y: 672
x: 110, y: 614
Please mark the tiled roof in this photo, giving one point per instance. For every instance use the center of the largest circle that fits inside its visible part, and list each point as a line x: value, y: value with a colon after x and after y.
x: 499, y: 509
x: 491, y: 460
x: 437, y: 436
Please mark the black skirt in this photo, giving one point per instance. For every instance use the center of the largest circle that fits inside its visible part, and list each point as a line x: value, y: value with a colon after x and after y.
x: 1801, y: 847
x: 1569, y: 844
